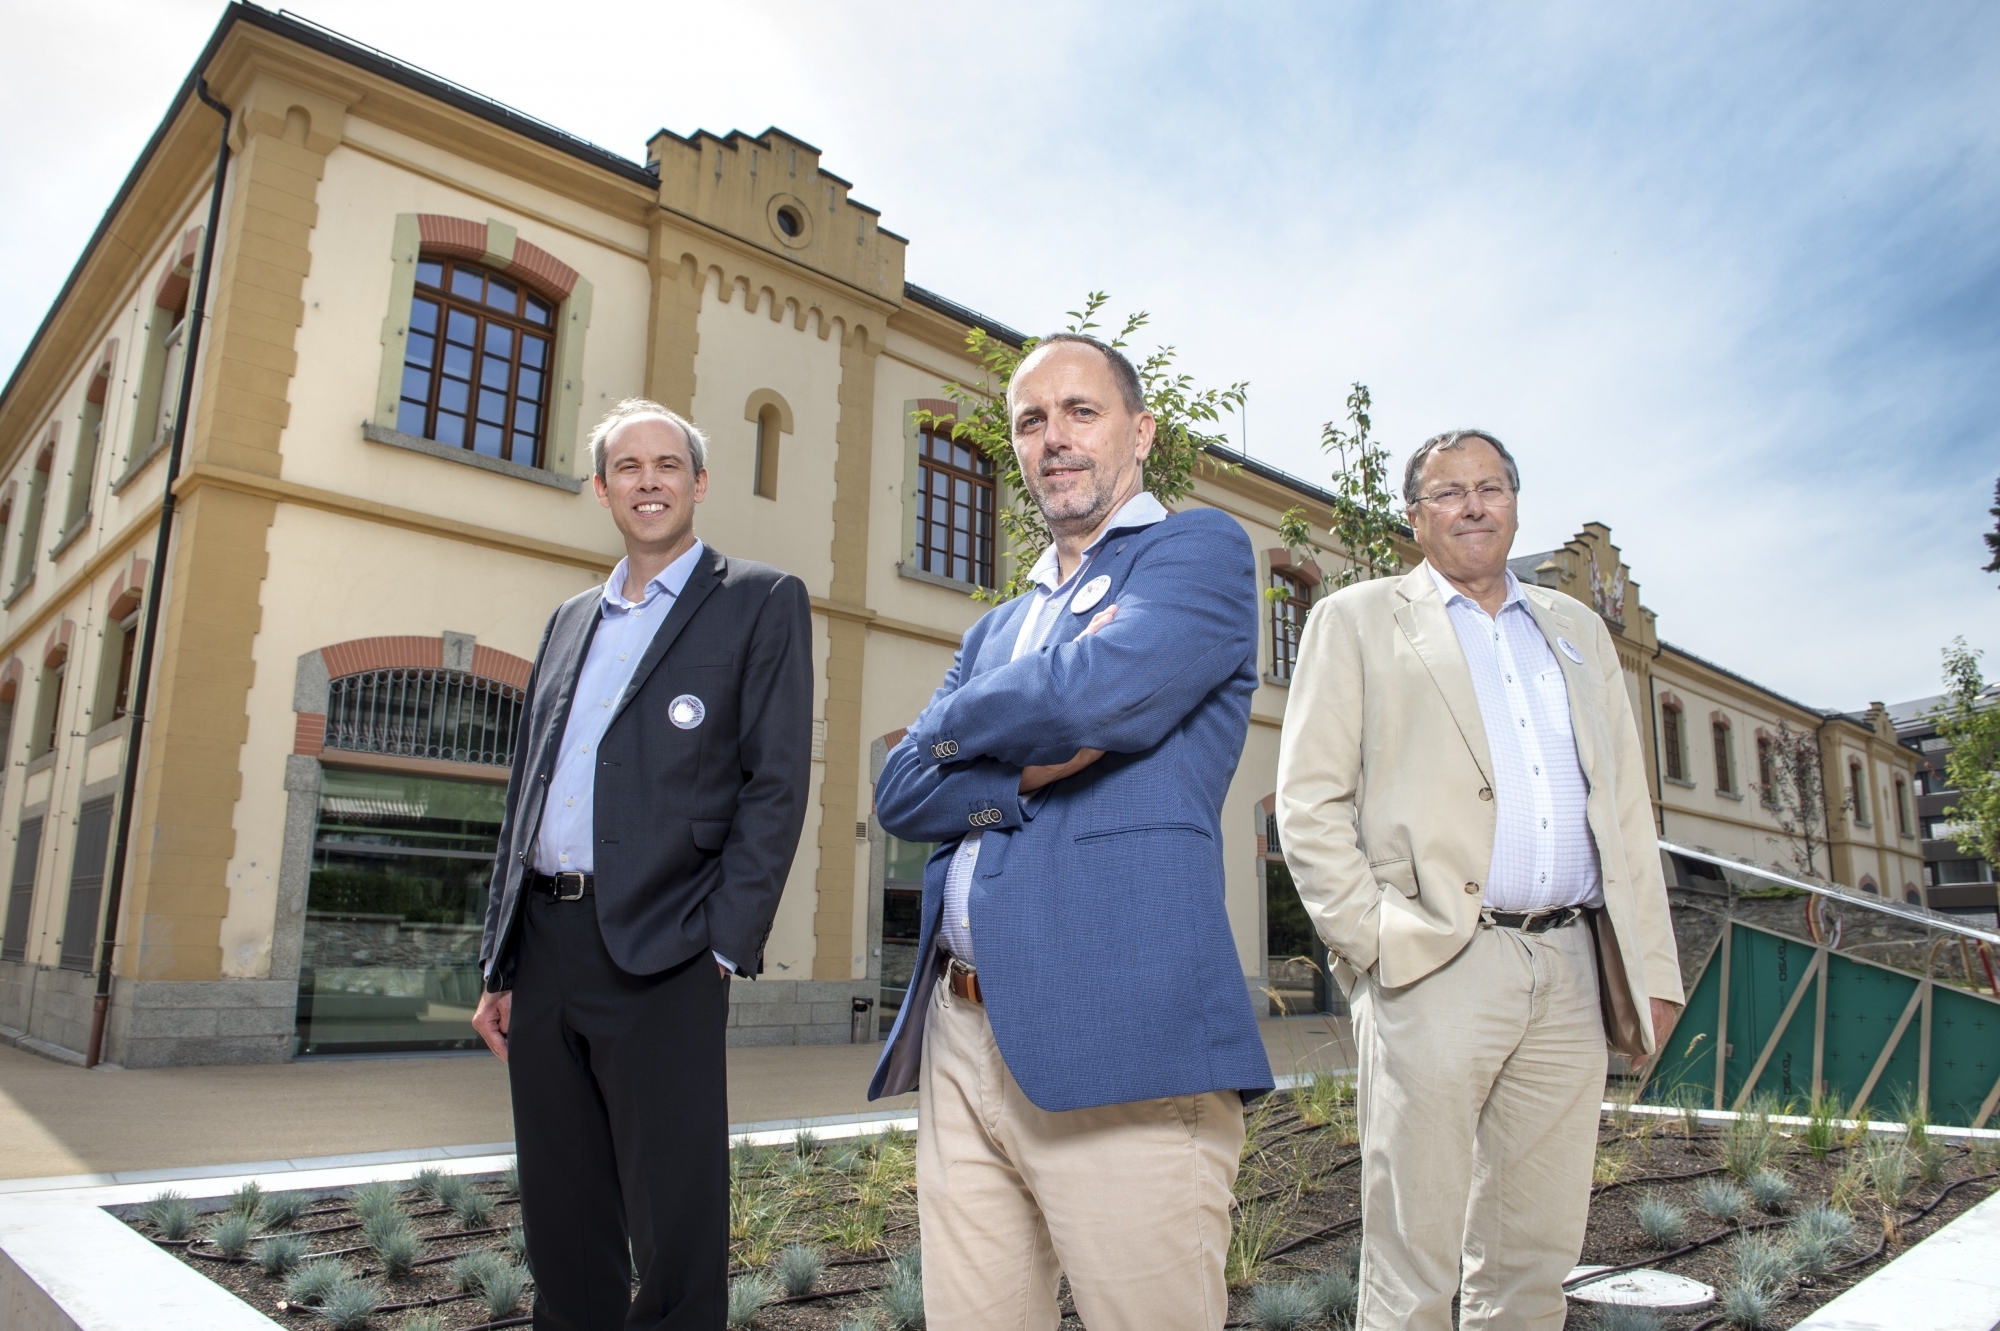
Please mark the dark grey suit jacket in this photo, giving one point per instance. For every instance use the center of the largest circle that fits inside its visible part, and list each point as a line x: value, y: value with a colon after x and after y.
x: 695, y: 828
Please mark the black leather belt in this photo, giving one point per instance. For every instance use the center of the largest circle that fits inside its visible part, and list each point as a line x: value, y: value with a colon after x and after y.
x: 563, y: 886
x: 1532, y: 921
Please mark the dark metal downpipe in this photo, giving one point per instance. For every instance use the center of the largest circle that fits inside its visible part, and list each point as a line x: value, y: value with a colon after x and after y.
x: 156, y: 585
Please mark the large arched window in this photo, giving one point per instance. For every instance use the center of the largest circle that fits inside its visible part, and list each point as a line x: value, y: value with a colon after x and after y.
x: 447, y: 715
x: 480, y: 355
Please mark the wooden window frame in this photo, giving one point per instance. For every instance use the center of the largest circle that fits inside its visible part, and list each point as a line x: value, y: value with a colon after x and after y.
x: 1288, y: 621
x: 1723, y: 736
x: 1672, y: 741
x: 980, y: 566
x: 520, y: 326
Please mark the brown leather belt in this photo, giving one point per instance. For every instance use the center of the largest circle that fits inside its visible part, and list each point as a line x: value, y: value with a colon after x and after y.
x: 962, y: 980
x: 1533, y: 921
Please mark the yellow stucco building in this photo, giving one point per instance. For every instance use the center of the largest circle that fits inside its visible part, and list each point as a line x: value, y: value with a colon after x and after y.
x: 419, y: 302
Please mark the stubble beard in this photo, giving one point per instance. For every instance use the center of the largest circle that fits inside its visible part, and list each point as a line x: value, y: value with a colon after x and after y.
x: 1081, y: 507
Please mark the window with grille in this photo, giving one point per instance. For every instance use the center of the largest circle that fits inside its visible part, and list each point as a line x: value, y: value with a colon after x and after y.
x: 1670, y: 740
x: 21, y: 890
x: 481, y: 347
x: 1288, y: 622
x: 954, y: 508
x: 445, y: 714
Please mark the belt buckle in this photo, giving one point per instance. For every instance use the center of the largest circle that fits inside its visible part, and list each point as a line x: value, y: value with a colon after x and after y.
x: 561, y: 879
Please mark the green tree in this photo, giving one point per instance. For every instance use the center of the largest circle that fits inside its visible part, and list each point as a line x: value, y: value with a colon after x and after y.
x: 1993, y: 537
x: 1366, y: 514
x: 1969, y: 720
x: 1796, y: 797
x: 1183, y: 415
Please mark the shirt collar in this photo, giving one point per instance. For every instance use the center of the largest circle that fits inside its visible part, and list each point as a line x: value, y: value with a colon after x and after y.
x: 1448, y: 593
x: 669, y: 580
x: 1141, y: 510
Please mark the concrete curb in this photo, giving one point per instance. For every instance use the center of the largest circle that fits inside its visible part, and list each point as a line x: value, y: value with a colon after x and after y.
x: 1948, y: 1276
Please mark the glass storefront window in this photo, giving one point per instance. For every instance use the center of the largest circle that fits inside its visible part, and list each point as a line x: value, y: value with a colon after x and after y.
x: 902, y: 915
x: 394, y: 912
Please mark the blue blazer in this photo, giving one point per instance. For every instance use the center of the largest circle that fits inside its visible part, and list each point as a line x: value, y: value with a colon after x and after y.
x: 1105, y: 955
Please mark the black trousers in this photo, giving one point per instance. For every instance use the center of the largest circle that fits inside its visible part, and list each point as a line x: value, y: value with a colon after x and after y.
x: 621, y: 1121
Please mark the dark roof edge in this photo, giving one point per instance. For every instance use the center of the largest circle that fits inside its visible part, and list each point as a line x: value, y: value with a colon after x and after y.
x: 1823, y: 713
x: 951, y: 309
x: 353, y: 53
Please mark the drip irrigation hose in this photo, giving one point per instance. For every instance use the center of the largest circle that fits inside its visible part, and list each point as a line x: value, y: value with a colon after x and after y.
x: 1603, y: 1188
x: 142, y: 674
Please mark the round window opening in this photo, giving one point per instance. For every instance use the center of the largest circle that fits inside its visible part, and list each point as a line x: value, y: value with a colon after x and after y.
x: 790, y: 222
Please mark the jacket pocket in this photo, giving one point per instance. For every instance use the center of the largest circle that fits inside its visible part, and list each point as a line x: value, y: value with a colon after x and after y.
x: 1196, y: 828
x: 709, y: 833
x: 1399, y: 874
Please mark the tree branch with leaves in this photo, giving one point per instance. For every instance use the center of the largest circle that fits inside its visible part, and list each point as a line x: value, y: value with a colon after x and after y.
x: 1969, y: 720
x: 1366, y: 513
x: 1183, y: 417
x: 1796, y: 797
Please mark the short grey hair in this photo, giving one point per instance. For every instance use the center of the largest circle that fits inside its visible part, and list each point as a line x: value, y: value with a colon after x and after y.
x: 633, y: 407
x: 1129, y: 386
x: 1413, y: 473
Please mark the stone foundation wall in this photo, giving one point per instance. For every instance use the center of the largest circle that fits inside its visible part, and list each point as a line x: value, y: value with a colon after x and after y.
x: 774, y: 1012
x: 46, y: 1004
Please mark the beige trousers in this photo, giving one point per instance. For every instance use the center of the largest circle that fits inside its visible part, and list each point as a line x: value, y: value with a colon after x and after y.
x: 1131, y: 1200
x: 1479, y: 1092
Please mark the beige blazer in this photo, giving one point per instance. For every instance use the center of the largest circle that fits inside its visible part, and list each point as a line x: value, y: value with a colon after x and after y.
x: 1385, y: 785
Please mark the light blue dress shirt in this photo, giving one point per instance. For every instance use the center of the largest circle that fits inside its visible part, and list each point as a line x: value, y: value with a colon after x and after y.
x: 1543, y: 852
x: 1050, y: 596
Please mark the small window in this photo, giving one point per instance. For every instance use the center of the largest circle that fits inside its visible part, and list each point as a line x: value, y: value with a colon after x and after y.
x: 167, y: 390
x: 1766, y: 784
x: 1288, y: 621
x: 114, y: 671
x: 764, y: 479
x: 1670, y: 741
x: 31, y: 517
x: 480, y: 354
x: 1725, y: 757
x: 48, y: 710
x: 1902, y: 807
x: 1857, y: 785
x: 955, y: 521
x: 21, y: 890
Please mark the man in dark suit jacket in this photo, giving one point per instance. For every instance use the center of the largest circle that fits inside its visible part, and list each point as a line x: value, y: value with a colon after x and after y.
x: 1083, y: 1074
x: 657, y: 794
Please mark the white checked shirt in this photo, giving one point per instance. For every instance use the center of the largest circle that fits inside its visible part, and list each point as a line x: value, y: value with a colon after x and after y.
x: 1051, y: 595
x: 1543, y: 853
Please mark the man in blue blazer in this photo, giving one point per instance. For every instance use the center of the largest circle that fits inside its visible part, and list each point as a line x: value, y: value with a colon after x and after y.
x: 1078, y: 1014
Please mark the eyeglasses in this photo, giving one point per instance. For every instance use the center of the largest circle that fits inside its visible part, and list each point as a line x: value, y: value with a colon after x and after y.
x: 1453, y: 497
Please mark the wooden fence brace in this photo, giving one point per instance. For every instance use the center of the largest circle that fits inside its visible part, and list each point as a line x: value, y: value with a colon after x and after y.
x: 1778, y: 1031
x: 1819, y: 1026
x: 1895, y: 1038
x: 1987, y: 1105
x: 1924, y: 1056
x: 1722, y: 1012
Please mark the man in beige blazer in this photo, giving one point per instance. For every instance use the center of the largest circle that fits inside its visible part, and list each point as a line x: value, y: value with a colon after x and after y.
x: 1462, y: 800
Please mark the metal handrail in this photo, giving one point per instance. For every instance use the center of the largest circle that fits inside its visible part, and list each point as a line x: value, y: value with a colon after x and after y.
x: 1919, y: 915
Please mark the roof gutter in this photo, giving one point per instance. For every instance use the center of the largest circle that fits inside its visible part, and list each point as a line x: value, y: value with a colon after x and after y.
x: 156, y: 585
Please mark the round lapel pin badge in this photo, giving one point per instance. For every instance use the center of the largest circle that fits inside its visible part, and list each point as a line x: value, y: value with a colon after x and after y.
x: 1090, y: 594
x: 686, y: 711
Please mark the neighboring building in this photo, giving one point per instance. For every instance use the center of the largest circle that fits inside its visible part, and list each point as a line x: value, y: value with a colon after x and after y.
x: 1953, y: 880
x: 420, y: 302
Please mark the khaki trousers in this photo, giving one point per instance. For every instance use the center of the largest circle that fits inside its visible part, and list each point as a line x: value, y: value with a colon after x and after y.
x: 1478, y: 1094
x: 1131, y: 1200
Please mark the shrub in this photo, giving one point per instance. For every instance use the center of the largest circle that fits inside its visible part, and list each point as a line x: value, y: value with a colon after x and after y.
x: 172, y: 1214
x: 1747, y: 1305
x: 310, y: 1282
x: 349, y: 1304
x: 903, y: 1299
x: 1817, y: 1237
x: 1720, y: 1198
x: 1931, y: 1159
x: 502, y: 1288
x: 799, y: 1268
x: 279, y: 1255
x: 1285, y: 1306
x: 1761, y: 1260
x: 1659, y: 1219
x: 231, y: 1234
x: 398, y: 1245
x: 248, y: 1200
x: 448, y: 1188
x: 425, y: 1182
x: 747, y: 1297
x: 472, y: 1209
x: 282, y: 1210
x: 1334, y: 1293
x: 469, y: 1273
x: 1771, y: 1191
x: 372, y: 1201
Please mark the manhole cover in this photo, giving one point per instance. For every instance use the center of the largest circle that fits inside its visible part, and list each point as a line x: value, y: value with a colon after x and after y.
x: 1643, y: 1289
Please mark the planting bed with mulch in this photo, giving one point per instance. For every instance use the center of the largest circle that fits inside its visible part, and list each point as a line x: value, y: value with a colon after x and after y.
x: 1779, y: 1219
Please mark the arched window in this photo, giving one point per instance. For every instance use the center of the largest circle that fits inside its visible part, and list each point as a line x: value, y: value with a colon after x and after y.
x: 411, y: 713
x: 764, y: 481
x: 31, y: 516
x: 1720, y: 733
x: 1670, y: 741
x: 1290, y: 601
x: 480, y: 354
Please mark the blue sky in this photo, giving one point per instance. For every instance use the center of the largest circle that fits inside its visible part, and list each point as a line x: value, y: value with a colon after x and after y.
x: 1725, y: 277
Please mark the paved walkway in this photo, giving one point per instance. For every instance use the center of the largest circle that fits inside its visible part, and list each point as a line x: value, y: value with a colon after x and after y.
x: 60, y: 1120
